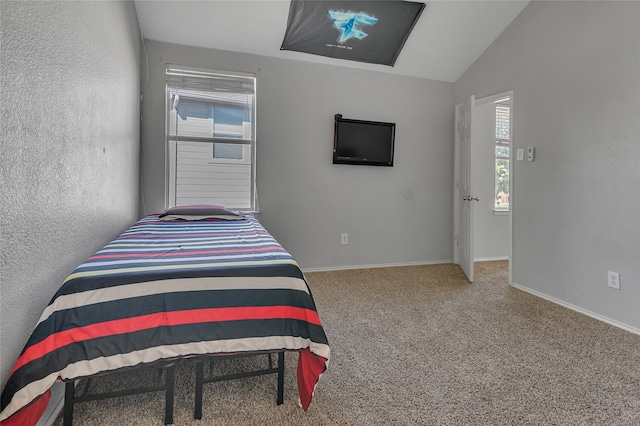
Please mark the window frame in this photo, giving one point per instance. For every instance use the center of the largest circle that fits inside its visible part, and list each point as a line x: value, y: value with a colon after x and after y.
x: 502, y: 143
x: 249, y: 145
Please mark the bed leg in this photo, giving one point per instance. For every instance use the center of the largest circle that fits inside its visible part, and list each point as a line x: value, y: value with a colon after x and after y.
x: 280, y: 400
x: 169, y: 394
x: 67, y: 419
x: 199, y: 382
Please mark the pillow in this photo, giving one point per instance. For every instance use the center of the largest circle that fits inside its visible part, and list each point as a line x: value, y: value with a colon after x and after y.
x: 200, y: 212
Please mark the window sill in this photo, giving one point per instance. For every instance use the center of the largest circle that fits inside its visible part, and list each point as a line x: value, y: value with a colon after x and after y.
x: 501, y: 212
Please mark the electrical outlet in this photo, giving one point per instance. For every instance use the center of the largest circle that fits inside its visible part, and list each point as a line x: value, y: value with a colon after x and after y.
x: 345, y: 239
x: 614, y: 280
x: 531, y: 153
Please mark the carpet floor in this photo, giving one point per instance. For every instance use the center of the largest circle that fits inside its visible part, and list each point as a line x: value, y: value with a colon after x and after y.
x: 419, y: 345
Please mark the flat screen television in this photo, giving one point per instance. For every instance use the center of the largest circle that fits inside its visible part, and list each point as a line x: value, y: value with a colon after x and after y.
x: 363, y: 142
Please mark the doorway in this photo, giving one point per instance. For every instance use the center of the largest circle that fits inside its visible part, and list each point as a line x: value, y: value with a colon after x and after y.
x: 483, y: 196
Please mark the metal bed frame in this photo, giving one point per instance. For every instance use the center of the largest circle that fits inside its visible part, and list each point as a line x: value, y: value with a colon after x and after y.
x: 168, y: 371
x: 210, y: 378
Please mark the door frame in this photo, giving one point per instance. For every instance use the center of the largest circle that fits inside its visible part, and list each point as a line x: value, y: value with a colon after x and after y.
x: 456, y: 198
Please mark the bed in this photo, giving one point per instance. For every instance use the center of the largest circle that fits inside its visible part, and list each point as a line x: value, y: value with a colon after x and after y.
x: 193, y: 281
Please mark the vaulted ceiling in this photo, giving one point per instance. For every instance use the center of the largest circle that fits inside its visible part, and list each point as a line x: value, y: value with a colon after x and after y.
x: 449, y: 36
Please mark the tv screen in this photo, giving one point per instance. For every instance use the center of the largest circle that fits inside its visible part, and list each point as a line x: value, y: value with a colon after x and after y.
x: 363, y: 142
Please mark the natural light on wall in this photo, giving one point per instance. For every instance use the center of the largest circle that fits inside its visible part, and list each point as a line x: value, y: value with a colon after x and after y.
x: 210, y: 138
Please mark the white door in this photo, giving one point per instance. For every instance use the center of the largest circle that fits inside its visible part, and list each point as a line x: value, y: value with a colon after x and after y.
x: 465, y: 200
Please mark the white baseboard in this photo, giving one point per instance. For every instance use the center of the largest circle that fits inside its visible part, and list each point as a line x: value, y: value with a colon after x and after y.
x: 490, y: 259
x: 382, y: 265
x: 578, y: 309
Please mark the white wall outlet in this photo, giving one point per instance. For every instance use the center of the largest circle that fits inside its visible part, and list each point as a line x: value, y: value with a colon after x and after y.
x: 345, y: 239
x: 614, y: 280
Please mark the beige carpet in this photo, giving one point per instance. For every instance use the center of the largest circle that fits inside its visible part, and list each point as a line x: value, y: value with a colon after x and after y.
x: 421, y: 346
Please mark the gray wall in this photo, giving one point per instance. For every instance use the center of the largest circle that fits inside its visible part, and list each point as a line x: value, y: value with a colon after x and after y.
x: 70, y: 148
x: 574, y: 68
x: 393, y: 215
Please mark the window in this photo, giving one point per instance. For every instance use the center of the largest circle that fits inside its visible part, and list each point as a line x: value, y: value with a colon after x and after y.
x: 210, y: 138
x: 502, y: 157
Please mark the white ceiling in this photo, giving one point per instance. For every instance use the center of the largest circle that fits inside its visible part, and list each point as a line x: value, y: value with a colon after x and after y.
x: 449, y: 36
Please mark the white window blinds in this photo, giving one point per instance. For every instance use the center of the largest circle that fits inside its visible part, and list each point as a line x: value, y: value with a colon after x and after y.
x: 211, y: 137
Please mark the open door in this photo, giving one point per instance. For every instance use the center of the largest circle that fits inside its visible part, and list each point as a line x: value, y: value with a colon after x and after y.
x: 464, y: 202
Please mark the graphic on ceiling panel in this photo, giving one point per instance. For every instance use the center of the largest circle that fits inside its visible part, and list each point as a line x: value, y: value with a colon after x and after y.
x: 347, y: 23
x: 367, y: 31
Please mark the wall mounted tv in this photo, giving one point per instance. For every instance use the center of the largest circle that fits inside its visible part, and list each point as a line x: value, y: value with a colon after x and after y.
x: 363, y: 142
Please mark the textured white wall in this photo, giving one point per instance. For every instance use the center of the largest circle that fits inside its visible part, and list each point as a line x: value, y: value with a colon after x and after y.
x: 70, y: 148
x: 574, y: 69
x: 400, y: 214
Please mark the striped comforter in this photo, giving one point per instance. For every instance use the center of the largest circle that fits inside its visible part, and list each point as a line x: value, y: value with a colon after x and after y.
x: 166, y: 290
